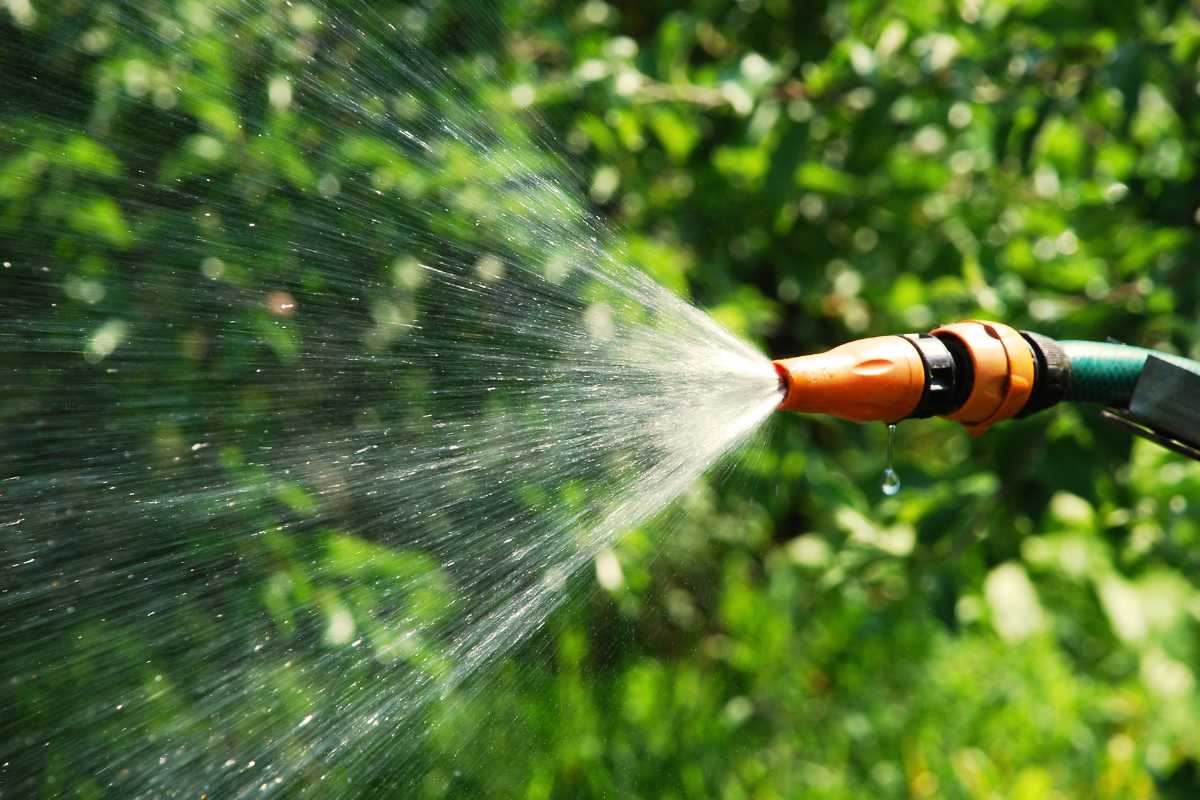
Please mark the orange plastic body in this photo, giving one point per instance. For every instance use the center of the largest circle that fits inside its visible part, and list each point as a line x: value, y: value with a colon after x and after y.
x: 1004, y: 373
x: 883, y: 378
x: 877, y: 379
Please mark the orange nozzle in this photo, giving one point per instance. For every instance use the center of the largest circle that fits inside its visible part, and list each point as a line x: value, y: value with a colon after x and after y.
x: 877, y: 379
x: 974, y: 372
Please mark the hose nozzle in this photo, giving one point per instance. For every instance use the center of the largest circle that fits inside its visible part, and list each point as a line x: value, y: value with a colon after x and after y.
x: 877, y: 379
x: 976, y: 373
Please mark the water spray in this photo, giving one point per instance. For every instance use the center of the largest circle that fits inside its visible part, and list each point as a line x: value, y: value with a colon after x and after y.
x: 980, y: 373
x: 329, y: 389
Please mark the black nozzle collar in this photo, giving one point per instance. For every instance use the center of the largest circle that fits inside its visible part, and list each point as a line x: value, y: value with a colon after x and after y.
x: 941, y: 373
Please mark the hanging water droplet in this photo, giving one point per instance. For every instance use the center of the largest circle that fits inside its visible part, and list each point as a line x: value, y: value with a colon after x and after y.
x: 891, y: 481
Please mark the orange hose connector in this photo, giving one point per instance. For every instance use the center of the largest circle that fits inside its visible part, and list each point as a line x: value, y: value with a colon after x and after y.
x: 1004, y: 370
x: 876, y: 379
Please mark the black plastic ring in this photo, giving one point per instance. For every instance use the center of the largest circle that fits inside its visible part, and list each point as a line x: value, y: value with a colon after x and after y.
x: 939, y: 397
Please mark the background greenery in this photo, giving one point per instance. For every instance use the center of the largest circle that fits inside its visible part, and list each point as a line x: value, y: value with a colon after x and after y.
x: 1022, y: 621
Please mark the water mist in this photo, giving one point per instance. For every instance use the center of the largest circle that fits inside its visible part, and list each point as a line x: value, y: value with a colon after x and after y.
x: 288, y: 460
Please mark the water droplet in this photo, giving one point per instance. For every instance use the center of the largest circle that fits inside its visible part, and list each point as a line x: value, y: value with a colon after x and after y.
x: 891, y: 481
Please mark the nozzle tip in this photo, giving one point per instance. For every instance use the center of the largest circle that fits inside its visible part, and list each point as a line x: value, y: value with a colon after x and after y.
x: 784, y: 379
x: 877, y: 379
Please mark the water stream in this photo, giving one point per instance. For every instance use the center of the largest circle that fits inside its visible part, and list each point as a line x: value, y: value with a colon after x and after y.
x: 323, y: 414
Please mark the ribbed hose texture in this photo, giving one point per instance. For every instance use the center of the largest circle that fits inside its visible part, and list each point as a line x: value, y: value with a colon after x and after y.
x: 1104, y: 372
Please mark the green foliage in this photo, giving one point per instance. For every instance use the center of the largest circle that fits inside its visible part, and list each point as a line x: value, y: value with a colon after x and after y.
x: 1021, y: 621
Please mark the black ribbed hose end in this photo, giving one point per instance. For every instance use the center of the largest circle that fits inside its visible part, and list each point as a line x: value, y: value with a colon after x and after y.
x: 1052, y: 376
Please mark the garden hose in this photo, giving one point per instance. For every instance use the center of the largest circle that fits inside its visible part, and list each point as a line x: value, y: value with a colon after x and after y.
x: 1106, y: 372
x: 979, y: 373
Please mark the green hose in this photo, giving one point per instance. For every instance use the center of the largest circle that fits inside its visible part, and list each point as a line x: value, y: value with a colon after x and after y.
x: 1104, y: 372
